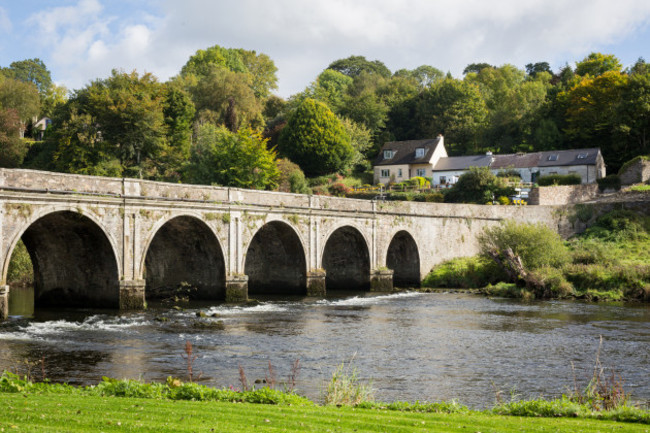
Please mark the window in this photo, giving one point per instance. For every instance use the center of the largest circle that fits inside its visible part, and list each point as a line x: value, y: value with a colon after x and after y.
x: 399, y: 172
x: 385, y: 173
x: 421, y: 172
x: 582, y: 155
x: 388, y: 154
x: 443, y: 180
x: 553, y: 157
x: 419, y: 152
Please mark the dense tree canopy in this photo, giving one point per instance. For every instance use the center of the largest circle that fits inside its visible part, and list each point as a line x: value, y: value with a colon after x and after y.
x: 315, y: 139
x: 355, y: 65
x: 238, y: 159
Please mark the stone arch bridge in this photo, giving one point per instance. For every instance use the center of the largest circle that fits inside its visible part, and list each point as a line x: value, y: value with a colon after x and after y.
x: 111, y: 242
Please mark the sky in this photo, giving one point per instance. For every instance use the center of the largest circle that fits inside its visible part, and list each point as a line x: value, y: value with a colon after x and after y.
x: 83, y: 40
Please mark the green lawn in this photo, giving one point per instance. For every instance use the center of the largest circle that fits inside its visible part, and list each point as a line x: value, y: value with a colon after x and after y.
x: 78, y: 413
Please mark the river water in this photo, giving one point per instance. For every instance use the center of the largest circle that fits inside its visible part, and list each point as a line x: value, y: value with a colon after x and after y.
x: 412, y: 346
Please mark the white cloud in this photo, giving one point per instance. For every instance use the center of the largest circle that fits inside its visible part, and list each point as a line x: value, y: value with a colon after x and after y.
x: 304, y: 36
x: 5, y: 22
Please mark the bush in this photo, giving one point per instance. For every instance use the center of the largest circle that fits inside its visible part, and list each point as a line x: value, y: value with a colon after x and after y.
x: 338, y: 189
x: 619, y: 225
x: 536, y: 244
x: 559, y: 179
x: 613, y: 181
x: 291, y: 179
x: 503, y: 200
x: 345, y: 389
x: 551, y: 283
x: 478, y: 185
x: 464, y: 272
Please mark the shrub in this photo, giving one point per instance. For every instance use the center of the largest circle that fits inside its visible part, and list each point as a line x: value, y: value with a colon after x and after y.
x: 591, y: 251
x: 464, y: 272
x: 536, y: 244
x: 345, y: 389
x: 551, y: 283
x: 478, y: 185
x: 503, y: 200
x: 613, y: 181
x: 338, y: 189
x: 291, y: 179
x: 559, y: 179
x: 619, y: 225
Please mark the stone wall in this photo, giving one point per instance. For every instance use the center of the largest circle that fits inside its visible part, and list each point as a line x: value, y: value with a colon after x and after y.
x: 637, y: 172
x: 562, y: 194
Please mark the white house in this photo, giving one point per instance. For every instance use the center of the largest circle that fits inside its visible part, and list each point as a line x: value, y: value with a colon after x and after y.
x: 402, y: 160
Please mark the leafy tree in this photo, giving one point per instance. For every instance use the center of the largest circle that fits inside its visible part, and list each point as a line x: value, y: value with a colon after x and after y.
x: 178, y: 110
x: 31, y: 71
x: 476, y: 68
x: 291, y: 179
x: 592, y: 112
x: 424, y: 75
x: 640, y: 67
x: 355, y: 65
x: 478, y: 185
x: 315, y: 139
x: 20, y: 96
x: 450, y: 107
x: 596, y: 64
x: 536, y: 244
x: 532, y: 69
x: 54, y: 96
x: 239, y: 159
x: 226, y: 98
x: 114, y: 125
x: 632, y: 120
x: 259, y: 68
x: 361, y: 142
x: 363, y: 104
x: 12, y: 148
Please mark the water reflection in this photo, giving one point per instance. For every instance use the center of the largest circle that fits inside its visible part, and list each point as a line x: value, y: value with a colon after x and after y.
x: 412, y: 346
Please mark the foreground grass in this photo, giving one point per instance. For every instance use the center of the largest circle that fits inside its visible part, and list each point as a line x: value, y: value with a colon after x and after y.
x: 83, y: 413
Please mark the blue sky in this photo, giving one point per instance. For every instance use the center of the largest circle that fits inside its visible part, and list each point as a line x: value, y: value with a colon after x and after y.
x: 81, y: 40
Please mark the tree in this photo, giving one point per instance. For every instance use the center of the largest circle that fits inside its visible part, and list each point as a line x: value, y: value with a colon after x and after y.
x: 178, y: 110
x: 239, y: 159
x: 361, y: 142
x: 12, y: 148
x: 424, y: 75
x: 31, y: 71
x: 478, y: 185
x: 596, y: 64
x: 355, y: 65
x: 476, y: 68
x: 533, y: 69
x: 20, y: 96
x: 315, y: 139
x: 259, y: 68
x: 226, y: 98
x: 640, y: 67
x: 119, y: 123
x: 291, y: 179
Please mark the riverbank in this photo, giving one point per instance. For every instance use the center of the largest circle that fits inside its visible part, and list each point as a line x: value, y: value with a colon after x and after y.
x: 608, y: 262
x: 110, y: 406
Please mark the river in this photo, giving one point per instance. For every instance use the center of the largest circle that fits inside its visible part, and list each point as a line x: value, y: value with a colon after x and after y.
x: 411, y: 346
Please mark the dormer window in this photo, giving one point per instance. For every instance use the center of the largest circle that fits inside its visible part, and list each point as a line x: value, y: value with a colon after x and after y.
x: 419, y: 152
x: 582, y: 155
x: 553, y: 157
x: 388, y: 154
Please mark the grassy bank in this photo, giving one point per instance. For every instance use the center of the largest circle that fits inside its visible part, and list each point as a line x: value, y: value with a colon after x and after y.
x: 128, y: 405
x: 609, y: 261
x: 80, y: 413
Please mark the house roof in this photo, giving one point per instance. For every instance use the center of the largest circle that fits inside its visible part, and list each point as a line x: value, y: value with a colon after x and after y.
x: 405, y: 151
x: 568, y: 157
x: 462, y: 162
x: 516, y: 160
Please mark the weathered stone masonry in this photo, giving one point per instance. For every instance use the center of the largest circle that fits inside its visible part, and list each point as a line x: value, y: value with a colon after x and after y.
x: 112, y: 242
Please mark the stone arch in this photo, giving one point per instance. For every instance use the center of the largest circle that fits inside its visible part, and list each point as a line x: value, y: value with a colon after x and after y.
x: 346, y: 260
x: 275, y: 261
x: 74, y: 260
x: 404, y: 259
x: 183, y: 249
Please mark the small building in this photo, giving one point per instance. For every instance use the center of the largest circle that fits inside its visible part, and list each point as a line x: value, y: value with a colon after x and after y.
x: 401, y: 160
x: 39, y: 128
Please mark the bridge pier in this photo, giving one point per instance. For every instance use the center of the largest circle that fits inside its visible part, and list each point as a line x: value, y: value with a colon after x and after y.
x: 316, y: 283
x: 4, y: 302
x: 381, y: 280
x: 237, y: 288
x: 132, y: 295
